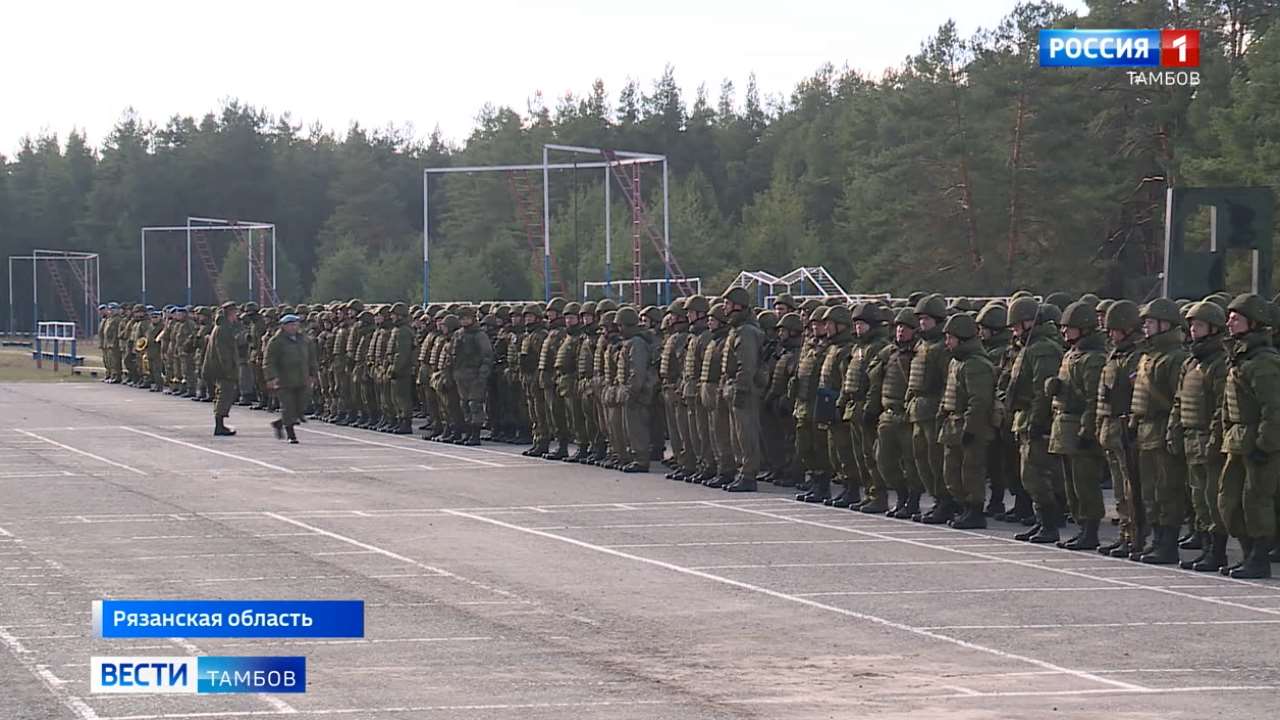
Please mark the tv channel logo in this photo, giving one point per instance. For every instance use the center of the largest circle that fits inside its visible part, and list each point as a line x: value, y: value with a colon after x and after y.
x: 201, y: 675
x: 1167, y: 49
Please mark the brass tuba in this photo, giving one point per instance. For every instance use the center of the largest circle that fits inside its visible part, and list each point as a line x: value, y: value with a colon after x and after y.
x: 140, y: 345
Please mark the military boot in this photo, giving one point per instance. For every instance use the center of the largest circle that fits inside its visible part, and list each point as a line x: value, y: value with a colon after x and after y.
x: 278, y: 427
x: 581, y: 454
x: 941, y: 513
x: 1216, y: 558
x: 848, y: 496
x: 1073, y: 538
x: 995, y: 505
x: 561, y: 452
x: 1088, y: 537
x: 1257, y: 566
x: 405, y: 427
x: 908, y: 509
x: 1030, y: 532
x: 470, y: 436
x: 1048, y: 533
x: 1164, y: 550
x: 1246, y: 549
x: 719, y: 480
x: 221, y: 430
x: 635, y: 466
x: 875, y: 505
x: 1193, y: 540
x: 1138, y: 546
x: 1206, y: 549
x: 741, y: 484
x: 971, y: 519
x: 288, y: 431
x: 1274, y: 555
x: 819, y: 489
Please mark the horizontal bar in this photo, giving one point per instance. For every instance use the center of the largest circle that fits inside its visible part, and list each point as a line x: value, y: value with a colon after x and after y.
x: 224, y: 221
x: 553, y: 166
x: 203, y: 228
x: 601, y: 151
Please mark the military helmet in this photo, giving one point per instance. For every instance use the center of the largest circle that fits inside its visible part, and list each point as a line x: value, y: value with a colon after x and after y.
x: 785, y: 299
x: 587, y: 308
x: 718, y: 312
x: 993, y: 316
x: 556, y: 303
x: 1022, y: 309
x: 1253, y: 306
x: 906, y: 316
x: 653, y: 315
x: 1161, y: 309
x: 791, y: 321
x: 272, y: 313
x: 677, y: 308
x: 251, y: 307
x: 1102, y: 306
x: 401, y: 309
x: 738, y: 296
x: 1209, y: 312
x: 572, y: 308
x: 452, y: 322
x: 809, y: 305
x: 1123, y: 315
x: 867, y: 312
x: 932, y: 305
x: 840, y: 315
x: 1220, y: 299
x: 1081, y: 315
x: 1050, y: 313
x: 606, y: 304
x: 608, y: 317
x: 534, y: 309
x: 502, y: 312
x: 467, y: 311
x: 697, y: 303
x: 628, y: 317
x: 914, y: 298
x: 485, y: 308
x: 492, y: 320
x: 820, y: 314
x: 1058, y: 299
x: 768, y: 319
x: 961, y: 325
x: 1089, y: 298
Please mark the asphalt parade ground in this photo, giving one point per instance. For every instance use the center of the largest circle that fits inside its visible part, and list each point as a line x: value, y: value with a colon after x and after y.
x: 497, y: 586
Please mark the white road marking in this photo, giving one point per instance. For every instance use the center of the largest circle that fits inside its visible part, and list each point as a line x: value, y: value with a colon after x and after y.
x: 395, y: 446
x: 1012, y: 561
x: 737, y: 542
x: 804, y: 601
x: 949, y: 591
x: 50, y: 681
x: 1112, y: 691
x: 211, y: 451
x: 387, y: 553
x: 1072, y: 626
x: 421, y: 710
x: 78, y: 451
x: 891, y: 563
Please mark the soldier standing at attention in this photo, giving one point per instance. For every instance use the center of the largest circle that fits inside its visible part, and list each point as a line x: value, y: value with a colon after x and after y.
x: 290, y: 368
x: 924, y: 393
x: 586, y: 433
x: 222, y: 365
x: 742, y: 373
x: 1115, y: 397
x: 778, y: 404
x: 1037, y: 361
x: 1073, y: 434
x: 556, y: 414
x: 720, y: 454
x: 635, y: 391
x: 1251, y: 436
x: 530, y: 355
x: 965, y: 425
x: 872, y: 337
x: 830, y: 413
x: 472, y: 364
x: 670, y: 366
x: 697, y: 438
x: 1002, y: 452
x: 811, y: 444
x: 566, y: 374
x: 1164, y: 477
x: 400, y: 368
x: 1196, y: 425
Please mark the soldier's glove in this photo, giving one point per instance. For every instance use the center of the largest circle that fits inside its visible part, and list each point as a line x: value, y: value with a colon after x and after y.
x: 1053, y: 386
x: 967, y: 438
x: 1258, y: 457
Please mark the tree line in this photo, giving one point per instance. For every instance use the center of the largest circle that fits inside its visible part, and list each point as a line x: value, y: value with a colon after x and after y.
x: 968, y: 169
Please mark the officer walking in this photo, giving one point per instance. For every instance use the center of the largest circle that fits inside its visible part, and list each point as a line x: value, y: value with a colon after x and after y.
x: 289, y: 367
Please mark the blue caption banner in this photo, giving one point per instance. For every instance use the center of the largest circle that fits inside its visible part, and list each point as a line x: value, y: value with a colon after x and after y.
x: 243, y: 674
x: 1099, y: 48
x: 228, y: 618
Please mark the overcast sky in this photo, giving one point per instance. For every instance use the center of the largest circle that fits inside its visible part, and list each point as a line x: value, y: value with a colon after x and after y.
x: 79, y: 64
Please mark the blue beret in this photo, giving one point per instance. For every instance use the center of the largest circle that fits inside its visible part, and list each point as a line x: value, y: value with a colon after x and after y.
x: 289, y: 318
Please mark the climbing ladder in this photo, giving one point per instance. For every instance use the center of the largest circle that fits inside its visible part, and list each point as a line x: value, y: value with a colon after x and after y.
x: 210, y: 267
x: 267, y: 295
x: 91, y: 290
x: 527, y: 211
x: 64, y: 295
x: 641, y: 225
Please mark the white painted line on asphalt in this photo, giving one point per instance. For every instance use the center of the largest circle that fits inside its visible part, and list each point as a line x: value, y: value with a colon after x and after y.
x: 634, y: 526
x: 1013, y: 561
x: 891, y: 563
x: 5, y: 533
x: 50, y: 681
x: 367, y: 641
x: 397, y: 446
x: 1073, y: 626
x: 788, y: 597
x: 388, y: 553
x: 949, y: 591
x: 1110, y: 691
x: 740, y: 542
x: 421, y: 710
x: 962, y: 690
x: 78, y: 451
x: 211, y: 451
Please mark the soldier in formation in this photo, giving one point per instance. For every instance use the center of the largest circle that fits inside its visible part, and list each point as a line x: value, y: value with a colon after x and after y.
x: 870, y: 405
